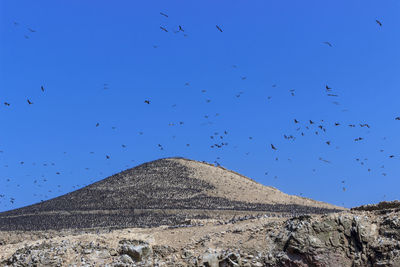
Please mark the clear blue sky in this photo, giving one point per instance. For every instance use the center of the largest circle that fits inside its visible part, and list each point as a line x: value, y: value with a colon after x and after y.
x: 266, y: 49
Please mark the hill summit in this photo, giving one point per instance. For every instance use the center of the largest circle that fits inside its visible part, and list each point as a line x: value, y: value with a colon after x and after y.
x: 162, y: 192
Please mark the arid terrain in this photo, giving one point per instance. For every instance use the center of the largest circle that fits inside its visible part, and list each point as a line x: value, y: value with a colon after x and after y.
x: 162, y: 192
x: 178, y: 212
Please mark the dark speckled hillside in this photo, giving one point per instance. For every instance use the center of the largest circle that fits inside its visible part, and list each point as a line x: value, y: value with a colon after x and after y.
x: 162, y: 192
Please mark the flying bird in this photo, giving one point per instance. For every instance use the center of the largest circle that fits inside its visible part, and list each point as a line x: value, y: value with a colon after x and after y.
x: 97, y: 124
x: 328, y: 43
x: 31, y: 30
x: 29, y: 102
x: 379, y: 23
x: 324, y: 160
x: 218, y: 28
x: 328, y: 88
x: 42, y: 88
x: 273, y: 147
x: 365, y: 125
x: 7, y: 104
x: 163, y: 14
x: 147, y: 101
x: 180, y: 28
x: 164, y: 29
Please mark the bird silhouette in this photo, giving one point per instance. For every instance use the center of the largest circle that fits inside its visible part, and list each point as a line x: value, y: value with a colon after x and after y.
x: 328, y: 43
x: 273, y: 147
x: 324, y: 160
x: 31, y: 30
x: 180, y: 28
x: 164, y: 29
x: 218, y: 28
x: 42, y: 88
x: 379, y: 23
x: 29, y: 102
x: 163, y: 14
x: 147, y: 101
x: 7, y: 104
x: 327, y: 88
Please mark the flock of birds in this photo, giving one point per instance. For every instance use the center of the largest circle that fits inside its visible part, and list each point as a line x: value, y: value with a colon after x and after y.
x: 218, y: 140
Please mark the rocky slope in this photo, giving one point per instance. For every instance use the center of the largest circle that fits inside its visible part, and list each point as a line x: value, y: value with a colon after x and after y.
x: 349, y: 238
x: 163, y: 192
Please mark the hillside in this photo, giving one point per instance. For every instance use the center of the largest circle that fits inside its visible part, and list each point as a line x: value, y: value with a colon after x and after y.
x: 162, y: 192
x: 349, y: 238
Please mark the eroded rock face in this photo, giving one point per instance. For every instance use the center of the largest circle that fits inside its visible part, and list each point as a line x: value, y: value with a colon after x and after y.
x: 343, y: 239
x: 354, y: 238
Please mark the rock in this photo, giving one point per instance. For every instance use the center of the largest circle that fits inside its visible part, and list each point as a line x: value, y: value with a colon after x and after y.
x: 137, y: 253
x: 211, y: 260
x: 230, y: 260
x: 113, y: 252
x: 334, y: 240
x: 126, y: 259
x: 87, y: 251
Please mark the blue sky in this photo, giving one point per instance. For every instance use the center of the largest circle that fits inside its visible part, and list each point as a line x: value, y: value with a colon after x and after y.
x: 100, y: 60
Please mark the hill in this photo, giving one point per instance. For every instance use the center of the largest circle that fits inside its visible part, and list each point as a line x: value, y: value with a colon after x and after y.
x: 168, y: 191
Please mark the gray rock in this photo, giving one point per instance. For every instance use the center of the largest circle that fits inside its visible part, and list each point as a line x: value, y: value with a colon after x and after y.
x: 137, y: 253
x: 126, y: 259
x: 211, y: 260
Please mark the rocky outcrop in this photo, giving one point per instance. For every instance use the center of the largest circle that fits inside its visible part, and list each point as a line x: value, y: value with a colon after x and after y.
x: 354, y: 238
x: 338, y: 240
